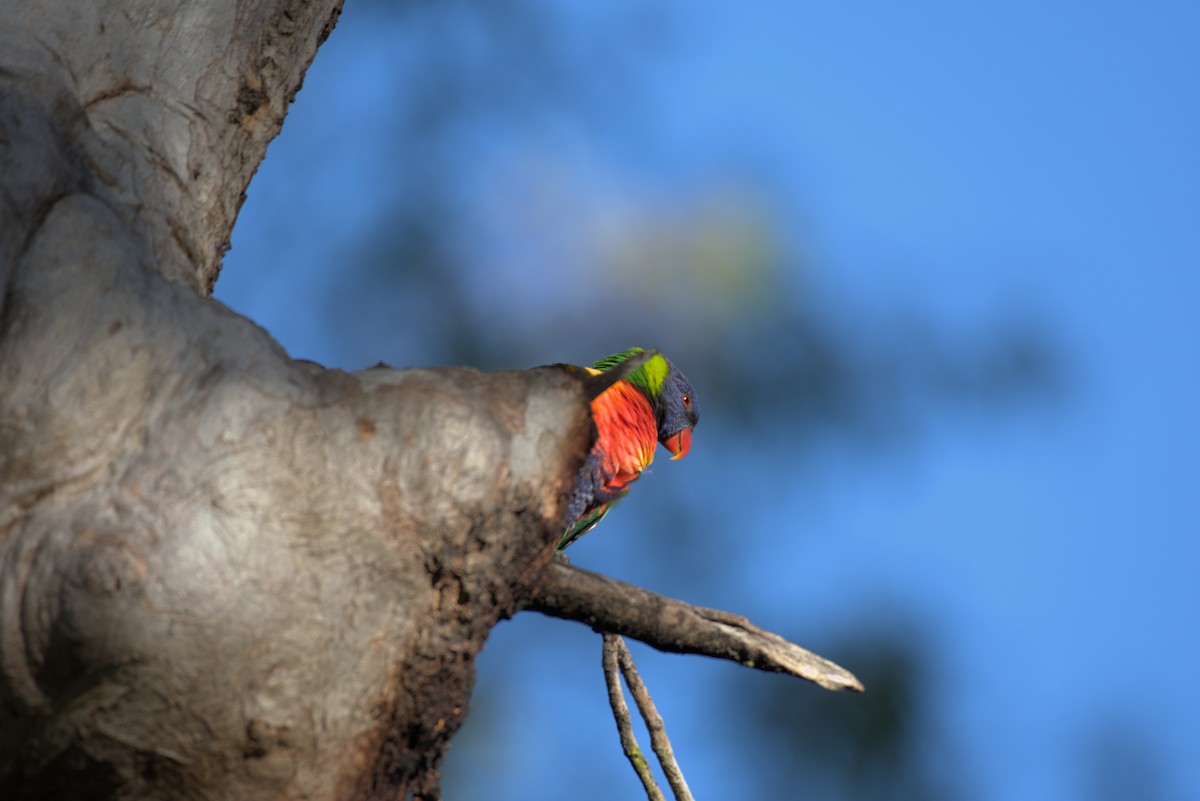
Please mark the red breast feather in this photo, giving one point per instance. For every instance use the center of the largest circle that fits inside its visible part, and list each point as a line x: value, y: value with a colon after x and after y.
x: 627, y: 433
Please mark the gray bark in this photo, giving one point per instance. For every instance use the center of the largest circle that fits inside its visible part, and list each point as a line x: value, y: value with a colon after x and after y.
x: 223, y: 573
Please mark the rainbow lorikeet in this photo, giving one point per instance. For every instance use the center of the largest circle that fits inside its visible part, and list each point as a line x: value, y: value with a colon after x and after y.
x: 654, y: 403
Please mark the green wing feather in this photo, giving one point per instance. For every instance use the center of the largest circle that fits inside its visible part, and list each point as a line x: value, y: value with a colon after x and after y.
x: 582, y: 526
x: 586, y: 523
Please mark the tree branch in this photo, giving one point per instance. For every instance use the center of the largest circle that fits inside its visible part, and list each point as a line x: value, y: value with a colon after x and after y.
x: 608, y: 605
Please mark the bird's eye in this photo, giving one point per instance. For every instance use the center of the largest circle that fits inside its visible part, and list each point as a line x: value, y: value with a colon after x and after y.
x: 687, y: 401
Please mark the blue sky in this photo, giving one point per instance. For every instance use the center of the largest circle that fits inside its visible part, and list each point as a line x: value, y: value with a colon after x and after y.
x: 968, y: 160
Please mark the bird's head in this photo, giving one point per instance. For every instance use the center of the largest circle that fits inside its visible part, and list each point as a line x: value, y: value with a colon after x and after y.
x: 678, y: 412
x: 669, y: 394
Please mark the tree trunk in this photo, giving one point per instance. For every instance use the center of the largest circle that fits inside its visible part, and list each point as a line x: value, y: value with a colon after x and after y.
x: 223, y: 573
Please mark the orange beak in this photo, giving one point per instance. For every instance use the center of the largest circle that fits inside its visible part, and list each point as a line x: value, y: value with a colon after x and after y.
x: 679, y: 444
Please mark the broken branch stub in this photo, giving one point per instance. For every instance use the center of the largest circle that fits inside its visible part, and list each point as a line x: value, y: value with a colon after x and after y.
x: 608, y: 605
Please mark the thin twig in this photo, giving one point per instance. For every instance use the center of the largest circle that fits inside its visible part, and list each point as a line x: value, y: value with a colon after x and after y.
x: 654, y: 722
x: 616, y: 698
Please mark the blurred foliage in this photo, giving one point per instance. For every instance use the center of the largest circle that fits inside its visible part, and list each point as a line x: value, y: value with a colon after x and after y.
x: 1120, y: 764
x: 870, y: 747
x: 563, y: 269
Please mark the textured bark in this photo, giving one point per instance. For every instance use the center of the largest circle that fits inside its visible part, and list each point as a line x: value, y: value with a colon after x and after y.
x: 223, y: 573
x: 161, y: 108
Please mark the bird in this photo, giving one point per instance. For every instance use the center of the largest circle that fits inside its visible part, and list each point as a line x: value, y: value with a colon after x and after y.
x: 650, y: 404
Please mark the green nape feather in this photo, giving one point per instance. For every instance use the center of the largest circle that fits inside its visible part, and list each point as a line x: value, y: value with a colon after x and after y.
x: 603, y: 374
x: 649, y: 377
